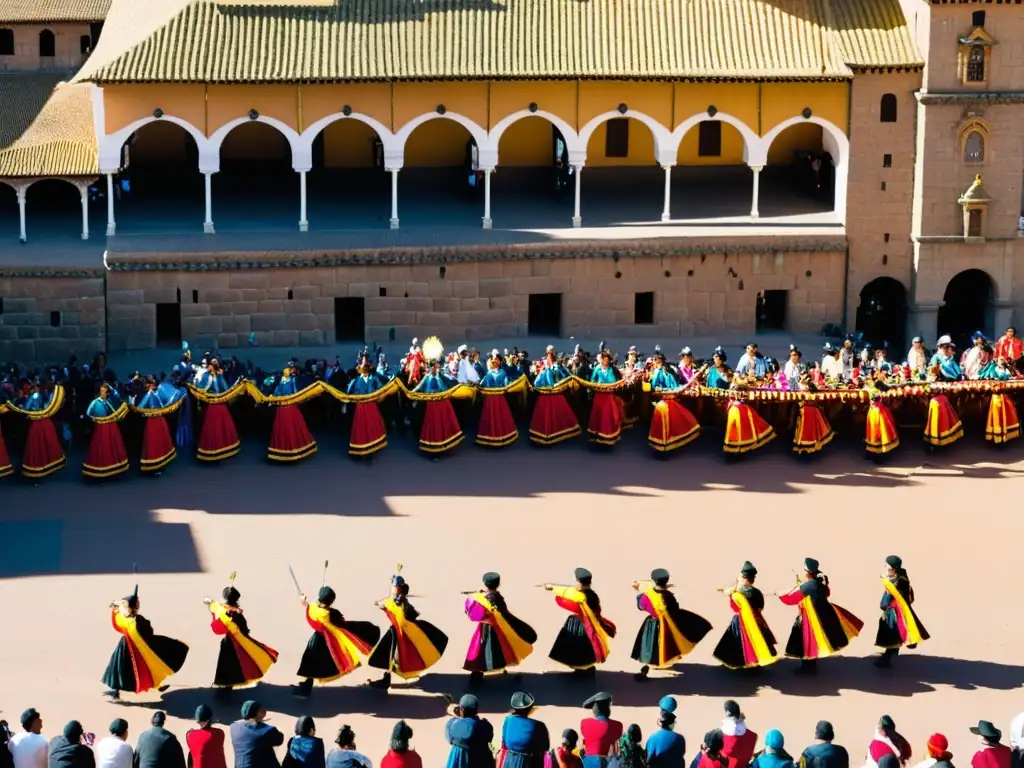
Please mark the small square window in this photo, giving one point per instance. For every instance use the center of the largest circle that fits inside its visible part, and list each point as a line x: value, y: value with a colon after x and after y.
x: 885, y: 237
x: 55, y: 319
x: 883, y: 186
x: 887, y: 161
x: 383, y: 291
x: 195, y: 297
x: 978, y: 19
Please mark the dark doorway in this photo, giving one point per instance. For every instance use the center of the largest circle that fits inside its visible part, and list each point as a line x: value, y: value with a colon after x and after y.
x: 968, y: 307
x: 545, y: 317
x: 882, y: 313
x: 771, y: 311
x: 349, y: 319
x: 168, y: 324
x: 643, y: 308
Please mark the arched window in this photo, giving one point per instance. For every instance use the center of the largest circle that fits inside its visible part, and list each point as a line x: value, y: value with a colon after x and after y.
x: 974, y: 148
x: 6, y: 42
x: 976, y: 64
x: 47, y: 43
x: 888, y: 109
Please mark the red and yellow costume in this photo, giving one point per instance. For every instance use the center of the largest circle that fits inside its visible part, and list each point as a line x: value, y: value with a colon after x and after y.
x: 501, y: 640
x: 106, y: 456
x: 142, y: 660
x: 672, y: 426
x: 158, y: 448
x: 290, y: 438
x: 43, y: 454
x: 813, y: 432
x: 6, y: 468
x: 411, y: 646
x: 748, y: 642
x: 583, y: 641
x: 608, y: 411
x: 218, y: 439
x: 880, y: 434
x: 668, y: 632
x: 553, y: 419
x: 1002, y: 424
x: 943, y: 425
x: 821, y: 629
x: 243, y: 660
x: 337, y: 646
x: 496, y: 428
x: 745, y: 430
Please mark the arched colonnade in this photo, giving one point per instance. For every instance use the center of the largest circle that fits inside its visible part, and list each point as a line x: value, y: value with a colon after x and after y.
x: 666, y: 148
x: 21, y: 187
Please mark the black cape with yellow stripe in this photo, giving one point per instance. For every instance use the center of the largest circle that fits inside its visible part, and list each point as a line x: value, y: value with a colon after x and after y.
x: 669, y: 633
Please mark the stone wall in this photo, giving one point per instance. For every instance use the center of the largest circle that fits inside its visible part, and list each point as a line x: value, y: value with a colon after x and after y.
x: 67, y: 46
x: 45, y: 318
x: 469, y: 295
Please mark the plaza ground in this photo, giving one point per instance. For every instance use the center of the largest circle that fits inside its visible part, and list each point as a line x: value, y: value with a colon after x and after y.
x: 66, y: 549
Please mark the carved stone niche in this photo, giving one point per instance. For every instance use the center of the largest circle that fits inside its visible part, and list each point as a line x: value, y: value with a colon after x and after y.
x: 975, y: 58
x: 974, y: 202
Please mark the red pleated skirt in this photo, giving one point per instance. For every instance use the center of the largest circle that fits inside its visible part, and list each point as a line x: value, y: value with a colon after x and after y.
x: 880, y: 435
x: 553, y: 420
x: 369, y: 434
x: 43, y: 454
x: 219, y: 439
x: 606, y: 416
x: 6, y: 468
x: 290, y: 439
x: 943, y: 425
x: 672, y: 426
x: 745, y: 430
x: 106, y: 456
x: 157, y: 446
x: 813, y: 432
x: 497, y: 428
x: 441, y: 431
x: 1002, y: 426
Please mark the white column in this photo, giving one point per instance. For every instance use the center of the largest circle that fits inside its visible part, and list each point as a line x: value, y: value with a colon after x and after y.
x: 394, y: 197
x: 208, y: 224
x: 303, y: 221
x: 111, y: 225
x: 576, y: 219
x: 85, y: 211
x: 754, y: 213
x: 666, y: 213
x: 487, y: 197
x: 21, y: 214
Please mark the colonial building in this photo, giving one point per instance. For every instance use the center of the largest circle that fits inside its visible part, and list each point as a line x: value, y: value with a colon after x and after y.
x: 326, y: 169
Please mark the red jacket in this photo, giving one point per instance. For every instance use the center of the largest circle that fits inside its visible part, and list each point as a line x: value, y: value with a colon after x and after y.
x: 408, y: 759
x: 739, y: 749
x: 206, y: 748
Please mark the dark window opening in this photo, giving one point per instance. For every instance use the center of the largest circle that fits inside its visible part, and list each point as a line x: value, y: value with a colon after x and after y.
x: 885, y: 237
x: 974, y: 223
x: 383, y: 291
x: 1, y: 305
x: 290, y: 294
x: 195, y: 297
x: 47, y: 43
x: 168, y: 324
x: 978, y: 19
x: 883, y: 186
x: 85, y: 44
x: 545, y: 314
x: 178, y: 290
x: 441, y: 271
x: 6, y: 42
x: 887, y: 161
x: 55, y: 319
x: 771, y: 311
x: 709, y: 138
x: 888, y: 109
x: 643, y: 308
x: 616, y: 140
x: 349, y: 318
x: 976, y: 64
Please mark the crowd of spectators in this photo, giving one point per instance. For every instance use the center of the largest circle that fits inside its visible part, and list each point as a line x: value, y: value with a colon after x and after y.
x: 523, y: 742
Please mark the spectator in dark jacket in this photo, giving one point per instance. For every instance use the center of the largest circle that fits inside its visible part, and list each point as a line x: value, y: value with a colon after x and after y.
x: 305, y: 750
x: 823, y: 753
x: 158, y: 747
x: 68, y: 751
x: 254, y: 740
x: 205, y: 743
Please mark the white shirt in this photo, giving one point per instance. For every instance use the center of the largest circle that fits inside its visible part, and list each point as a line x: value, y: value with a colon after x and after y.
x: 831, y: 367
x: 112, y: 752
x: 29, y: 750
x: 1017, y: 731
x: 467, y: 373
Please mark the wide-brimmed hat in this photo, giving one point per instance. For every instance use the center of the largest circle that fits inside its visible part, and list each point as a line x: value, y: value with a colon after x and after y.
x: 987, y: 731
x: 522, y: 700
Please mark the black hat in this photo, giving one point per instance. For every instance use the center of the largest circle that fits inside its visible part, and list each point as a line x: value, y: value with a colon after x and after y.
x: 522, y: 700
x: 811, y: 565
x: 492, y: 580
x: 231, y: 595
x: 732, y: 709
x: 824, y: 731
x: 660, y: 576
x: 748, y: 571
x: 894, y: 561
x: 583, y: 576
x: 119, y: 727
x: 987, y: 731
x: 570, y: 737
x: 28, y: 717
x: 133, y: 598
x: 203, y: 714
x: 397, y: 581
x: 401, y: 731
x: 597, y: 698
x: 469, y: 701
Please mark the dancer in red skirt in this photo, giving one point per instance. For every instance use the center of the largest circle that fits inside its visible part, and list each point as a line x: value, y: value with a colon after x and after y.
x: 369, y: 433
x: 106, y: 456
x: 1002, y: 425
x: 608, y: 412
x: 813, y: 432
x: 943, y: 425
x: 440, y: 431
x: 6, y: 468
x: 157, y: 445
x: 290, y: 440
x: 672, y: 425
x: 218, y: 439
x: 553, y: 420
x: 497, y: 428
x: 880, y: 436
x: 745, y: 430
x: 43, y: 453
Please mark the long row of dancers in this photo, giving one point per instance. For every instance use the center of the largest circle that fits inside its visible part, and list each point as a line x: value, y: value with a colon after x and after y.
x: 144, y: 660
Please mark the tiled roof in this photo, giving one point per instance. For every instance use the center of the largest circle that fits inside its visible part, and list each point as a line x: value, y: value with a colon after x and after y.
x: 46, y: 127
x: 338, y: 40
x: 41, y: 11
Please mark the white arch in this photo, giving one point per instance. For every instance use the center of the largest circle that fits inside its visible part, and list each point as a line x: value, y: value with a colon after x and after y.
x: 664, y: 149
x: 302, y: 156
x: 387, y: 138
x: 76, y: 184
x: 402, y: 134
x: 751, y: 141
x: 572, y: 139
x: 111, y: 144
